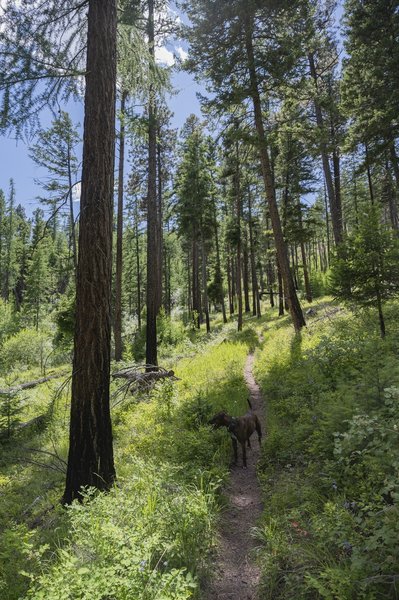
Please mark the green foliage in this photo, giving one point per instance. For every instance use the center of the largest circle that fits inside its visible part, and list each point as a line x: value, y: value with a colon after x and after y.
x: 151, y: 536
x: 366, y: 270
x: 318, y: 284
x: 329, y: 466
x: 9, y: 321
x: 10, y: 409
x: 25, y: 349
x: 138, y: 536
x: 65, y: 319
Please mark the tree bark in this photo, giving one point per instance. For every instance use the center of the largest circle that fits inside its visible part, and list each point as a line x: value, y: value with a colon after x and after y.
x: 335, y: 208
x: 294, y: 305
x: 119, y: 236
x: 218, y: 267
x: 280, y: 292
x: 237, y: 191
x: 138, y: 273
x: 195, y: 283
x: 159, y: 223
x: 90, y: 458
x: 205, y: 283
x: 255, y: 289
x: 152, y: 215
x: 246, y: 276
x: 230, y: 293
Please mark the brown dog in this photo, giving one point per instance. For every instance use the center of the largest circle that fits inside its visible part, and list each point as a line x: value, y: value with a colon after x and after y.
x: 240, y: 429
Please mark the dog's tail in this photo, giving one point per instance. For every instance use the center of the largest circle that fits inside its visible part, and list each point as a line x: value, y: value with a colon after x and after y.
x: 249, y: 402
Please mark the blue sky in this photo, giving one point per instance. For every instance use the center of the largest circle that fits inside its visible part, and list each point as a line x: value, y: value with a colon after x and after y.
x: 16, y: 164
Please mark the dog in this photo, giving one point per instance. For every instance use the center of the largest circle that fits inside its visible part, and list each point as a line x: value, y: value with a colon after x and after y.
x: 240, y: 430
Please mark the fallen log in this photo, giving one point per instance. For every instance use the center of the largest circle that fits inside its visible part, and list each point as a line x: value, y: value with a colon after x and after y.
x: 141, y: 378
x: 30, y: 384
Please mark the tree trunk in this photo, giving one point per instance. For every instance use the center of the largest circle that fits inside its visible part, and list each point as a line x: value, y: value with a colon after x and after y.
x: 255, y: 289
x: 152, y: 214
x: 380, y: 313
x: 237, y: 191
x: 218, y: 267
x: 205, y: 283
x: 138, y: 274
x: 229, y: 287
x: 280, y: 292
x: 335, y: 208
x: 159, y: 225
x: 195, y: 284
x: 90, y: 458
x: 393, y: 199
x: 294, y: 305
x: 119, y: 236
x: 369, y: 179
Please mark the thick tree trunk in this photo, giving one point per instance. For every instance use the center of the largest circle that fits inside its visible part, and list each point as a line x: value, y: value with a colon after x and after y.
x: 152, y: 215
x: 294, y: 305
x: 119, y: 236
x: 90, y: 458
x: 335, y: 207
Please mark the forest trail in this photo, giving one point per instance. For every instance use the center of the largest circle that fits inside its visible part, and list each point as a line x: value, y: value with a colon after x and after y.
x: 235, y: 576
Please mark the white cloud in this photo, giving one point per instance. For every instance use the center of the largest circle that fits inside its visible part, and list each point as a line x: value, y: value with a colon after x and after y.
x: 164, y: 57
x: 182, y: 54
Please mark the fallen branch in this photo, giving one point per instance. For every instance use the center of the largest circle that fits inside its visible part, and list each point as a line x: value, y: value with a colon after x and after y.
x: 29, y: 384
x: 141, y: 379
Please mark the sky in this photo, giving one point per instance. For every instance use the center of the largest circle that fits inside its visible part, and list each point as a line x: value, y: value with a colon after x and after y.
x: 14, y: 159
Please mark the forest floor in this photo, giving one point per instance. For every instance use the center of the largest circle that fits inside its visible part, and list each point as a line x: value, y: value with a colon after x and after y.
x: 236, y: 576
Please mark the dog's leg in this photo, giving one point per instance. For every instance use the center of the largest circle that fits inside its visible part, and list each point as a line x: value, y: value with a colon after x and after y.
x: 249, y: 443
x: 244, y: 455
x: 234, y: 442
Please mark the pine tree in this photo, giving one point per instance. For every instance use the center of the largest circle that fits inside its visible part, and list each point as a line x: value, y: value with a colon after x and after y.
x: 367, y: 273
x: 55, y: 151
x: 90, y: 458
x: 195, y: 211
x: 221, y: 37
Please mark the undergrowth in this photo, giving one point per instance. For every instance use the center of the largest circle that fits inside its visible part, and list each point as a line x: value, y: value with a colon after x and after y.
x: 152, y: 535
x: 330, y: 461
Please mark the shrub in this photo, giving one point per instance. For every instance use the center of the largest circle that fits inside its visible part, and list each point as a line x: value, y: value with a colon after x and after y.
x: 27, y: 348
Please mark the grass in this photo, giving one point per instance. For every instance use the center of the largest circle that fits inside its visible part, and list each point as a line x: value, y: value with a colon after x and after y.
x: 152, y: 535
x: 329, y: 463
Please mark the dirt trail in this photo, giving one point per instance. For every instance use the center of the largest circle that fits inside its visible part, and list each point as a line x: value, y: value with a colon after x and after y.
x: 236, y: 577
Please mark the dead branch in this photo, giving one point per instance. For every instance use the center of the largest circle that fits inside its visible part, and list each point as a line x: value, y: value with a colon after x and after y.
x: 29, y: 384
x: 140, y: 379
